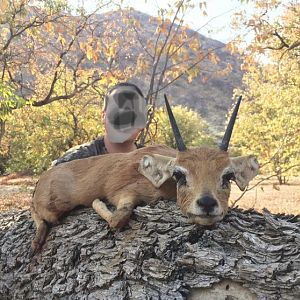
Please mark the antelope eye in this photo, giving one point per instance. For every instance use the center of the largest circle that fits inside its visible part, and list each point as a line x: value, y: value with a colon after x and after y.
x: 179, y: 177
x: 226, y: 179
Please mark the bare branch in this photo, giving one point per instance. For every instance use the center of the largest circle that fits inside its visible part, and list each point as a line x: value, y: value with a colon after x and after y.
x: 162, y: 49
x: 141, y: 42
x: 48, y: 98
x: 189, y: 68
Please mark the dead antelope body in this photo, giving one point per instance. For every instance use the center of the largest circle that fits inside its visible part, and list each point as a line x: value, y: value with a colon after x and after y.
x: 198, y: 178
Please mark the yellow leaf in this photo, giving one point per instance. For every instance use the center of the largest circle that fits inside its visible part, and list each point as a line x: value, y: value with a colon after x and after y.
x: 82, y: 46
x: 89, y: 52
x: 189, y: 78
x: 61, y: 39
x: 95, y: 57
x: 213, y: 57
x: 111, y: 52
x: 204, y: 79
x: 231, y: 46
x: 3, y: 5
x: 49, y: 27
x: 194, y: 45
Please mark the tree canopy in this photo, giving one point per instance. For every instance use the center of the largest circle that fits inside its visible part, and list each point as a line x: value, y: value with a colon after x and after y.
x: 269, y: 121
x: 50, y: 53
x: 56, y: 65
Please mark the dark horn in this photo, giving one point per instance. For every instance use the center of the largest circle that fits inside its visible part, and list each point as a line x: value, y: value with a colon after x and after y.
x: 179, y: 141
x: 225, y: 142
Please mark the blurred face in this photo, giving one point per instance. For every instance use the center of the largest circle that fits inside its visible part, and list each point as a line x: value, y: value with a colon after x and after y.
x: 125, y: 114
x: 132, y: 137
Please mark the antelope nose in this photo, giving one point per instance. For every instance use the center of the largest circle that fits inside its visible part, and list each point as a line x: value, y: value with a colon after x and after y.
x: 207, y: 203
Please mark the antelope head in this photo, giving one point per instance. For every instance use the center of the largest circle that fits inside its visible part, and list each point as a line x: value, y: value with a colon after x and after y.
x: 203, y: 175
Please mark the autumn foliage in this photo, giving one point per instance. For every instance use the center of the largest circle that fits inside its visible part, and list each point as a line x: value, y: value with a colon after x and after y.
x: 269, y: 122
x: 57, y: 63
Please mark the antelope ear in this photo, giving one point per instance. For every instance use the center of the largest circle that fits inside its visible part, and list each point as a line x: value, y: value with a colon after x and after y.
x: 157, y: 168
x: 245, y: 168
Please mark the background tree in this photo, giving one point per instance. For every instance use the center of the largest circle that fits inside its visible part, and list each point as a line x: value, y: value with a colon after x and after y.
x: 43, y: 59
x: 37, y: 137
x: 269, y: 121
x: 172, y: 52
x: 49, y: 55
x: 39, y: 47
x: 193, y: 128
x: 63, y: 125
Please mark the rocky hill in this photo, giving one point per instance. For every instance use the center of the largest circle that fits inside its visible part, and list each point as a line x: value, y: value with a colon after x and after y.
x: 211, y: 98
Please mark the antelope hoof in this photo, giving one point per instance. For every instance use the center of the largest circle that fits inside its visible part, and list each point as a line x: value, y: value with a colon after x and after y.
x: 119, y: 219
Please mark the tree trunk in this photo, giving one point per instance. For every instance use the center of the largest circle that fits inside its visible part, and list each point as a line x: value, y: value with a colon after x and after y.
x: 2, y: 131
x: 158, y: 256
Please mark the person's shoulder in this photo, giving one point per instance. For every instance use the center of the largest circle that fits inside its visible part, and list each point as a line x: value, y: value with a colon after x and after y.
x: 98, y: 146
x: 92, y: 148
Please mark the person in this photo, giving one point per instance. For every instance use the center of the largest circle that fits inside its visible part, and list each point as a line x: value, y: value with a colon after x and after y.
x: 124, y: 116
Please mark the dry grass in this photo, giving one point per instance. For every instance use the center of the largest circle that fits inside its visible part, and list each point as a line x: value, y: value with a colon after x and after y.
x: 16, y: 191
x: 276, y: 198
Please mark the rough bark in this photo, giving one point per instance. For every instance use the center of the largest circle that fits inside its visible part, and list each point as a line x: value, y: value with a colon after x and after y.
x: 158, y: 256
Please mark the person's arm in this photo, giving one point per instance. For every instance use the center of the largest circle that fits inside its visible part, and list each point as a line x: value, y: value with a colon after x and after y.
x: 96, y: 147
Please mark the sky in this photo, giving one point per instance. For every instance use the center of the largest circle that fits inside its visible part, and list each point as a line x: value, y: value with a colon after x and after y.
x: 215, y: 25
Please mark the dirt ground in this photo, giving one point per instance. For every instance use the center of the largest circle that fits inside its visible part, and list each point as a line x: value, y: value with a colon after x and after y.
x: 268, y: 194
x: 16, y: 191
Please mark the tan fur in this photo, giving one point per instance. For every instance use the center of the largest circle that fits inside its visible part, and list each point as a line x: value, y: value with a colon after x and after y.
x: 113, y: 176
x: 128, y: 179
x: 205, y: 167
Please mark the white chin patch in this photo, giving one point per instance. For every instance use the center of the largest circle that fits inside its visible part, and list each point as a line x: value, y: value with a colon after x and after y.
x: 205, y: 220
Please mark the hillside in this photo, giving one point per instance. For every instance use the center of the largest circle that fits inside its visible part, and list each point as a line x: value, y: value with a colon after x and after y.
x: 211, y: 98
x: 208, y: 94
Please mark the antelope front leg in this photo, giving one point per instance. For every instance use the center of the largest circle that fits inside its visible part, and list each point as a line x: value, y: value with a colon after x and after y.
x: 102, y: 210
x: 122, y: 214
x: 120, y: 217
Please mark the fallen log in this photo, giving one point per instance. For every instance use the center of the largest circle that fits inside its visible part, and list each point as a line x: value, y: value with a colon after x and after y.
x: 159, y: 255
